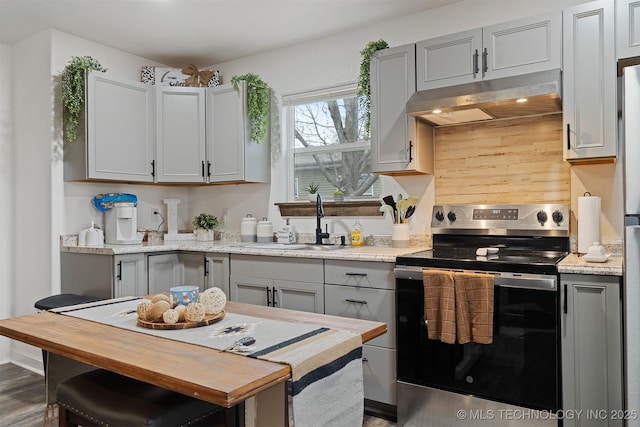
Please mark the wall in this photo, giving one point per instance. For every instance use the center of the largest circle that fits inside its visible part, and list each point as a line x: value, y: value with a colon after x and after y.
x: 6, y: 194
x: 336, y: 60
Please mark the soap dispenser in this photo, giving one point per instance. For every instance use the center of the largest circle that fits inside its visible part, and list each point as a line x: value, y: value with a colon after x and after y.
x: 356, y: 234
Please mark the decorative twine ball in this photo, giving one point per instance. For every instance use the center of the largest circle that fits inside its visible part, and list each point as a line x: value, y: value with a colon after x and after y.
x: 161, y: 297
x: 180, y: 309
x: 213, y: 300
x: 194, y: 312
x: 143, y: 310
x: 157, y: 310
x: 170, y: 316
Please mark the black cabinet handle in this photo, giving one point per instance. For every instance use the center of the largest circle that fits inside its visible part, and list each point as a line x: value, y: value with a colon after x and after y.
x: 355, y: 301
x: 568, y: 136
x: 153, y: 168
x: 410, y: 151
x: 356, y: 274
x: 206, y: 267
x: 268, y: 297
x: 365, y: 360
x: 202, y: 169
x: 208, y: 168
x: 564, y: 303
x: 485, y: 66
x: 475, y: 64
x: 119, y: 275
x: 275, y: 294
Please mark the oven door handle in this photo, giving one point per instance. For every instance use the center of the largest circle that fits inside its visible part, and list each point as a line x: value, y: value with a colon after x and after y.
x: 507, y: 280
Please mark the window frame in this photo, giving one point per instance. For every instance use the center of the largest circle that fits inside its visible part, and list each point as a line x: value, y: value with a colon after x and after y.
x: 320, y: 94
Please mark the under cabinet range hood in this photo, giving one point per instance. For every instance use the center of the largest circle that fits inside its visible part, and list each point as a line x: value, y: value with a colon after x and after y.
x: 508, y: 97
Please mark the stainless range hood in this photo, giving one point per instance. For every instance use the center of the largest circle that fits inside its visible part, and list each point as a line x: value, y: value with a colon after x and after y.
x: 519, y: 96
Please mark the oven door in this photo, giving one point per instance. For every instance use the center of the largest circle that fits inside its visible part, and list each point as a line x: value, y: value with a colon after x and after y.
x: 520, y: 367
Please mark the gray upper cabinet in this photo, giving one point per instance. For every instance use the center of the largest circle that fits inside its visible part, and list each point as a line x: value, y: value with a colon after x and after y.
x: 399, y: 143
x: 231, y: 155
x: 118, y: 139
x: 627, y: 28
x: 180, y: 134
x: 589, y: 81
x: 512, y: 48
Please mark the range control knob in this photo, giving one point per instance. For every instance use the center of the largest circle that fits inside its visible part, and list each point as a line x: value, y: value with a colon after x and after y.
x: 557, y: 217
x: 452, y: 216
x: 439, y: 216
x: 542, y: 217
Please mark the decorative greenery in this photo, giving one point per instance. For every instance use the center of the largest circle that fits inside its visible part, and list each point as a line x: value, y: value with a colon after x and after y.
x: 257, y: 103
x: 205, y: 221
x: 73, y: 78
x: 364, y: 83
x: 338, y: 191
x: 313, y: 188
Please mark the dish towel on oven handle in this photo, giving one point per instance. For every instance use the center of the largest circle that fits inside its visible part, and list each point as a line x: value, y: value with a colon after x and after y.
x: 458, y: 306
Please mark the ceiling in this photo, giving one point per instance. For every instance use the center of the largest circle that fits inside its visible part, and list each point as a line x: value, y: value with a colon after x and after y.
x: 202, y: 32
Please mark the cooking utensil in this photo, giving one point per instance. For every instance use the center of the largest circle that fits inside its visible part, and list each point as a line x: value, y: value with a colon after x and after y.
x: 410, y: 211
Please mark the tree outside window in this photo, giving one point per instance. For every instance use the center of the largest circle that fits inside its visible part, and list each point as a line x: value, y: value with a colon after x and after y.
x: 329, y: 144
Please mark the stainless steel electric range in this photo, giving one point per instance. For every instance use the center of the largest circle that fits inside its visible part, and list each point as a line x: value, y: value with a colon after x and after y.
x: 442, y: 384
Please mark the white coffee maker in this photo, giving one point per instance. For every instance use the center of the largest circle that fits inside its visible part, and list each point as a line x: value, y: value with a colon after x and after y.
x: 121, y: 223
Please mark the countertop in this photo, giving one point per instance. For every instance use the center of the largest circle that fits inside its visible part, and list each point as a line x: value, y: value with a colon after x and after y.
x: 574, y: 263
x: 353, y: 253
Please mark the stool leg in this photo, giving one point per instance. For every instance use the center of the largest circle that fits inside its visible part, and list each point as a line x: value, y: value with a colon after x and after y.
x: 63, y: 418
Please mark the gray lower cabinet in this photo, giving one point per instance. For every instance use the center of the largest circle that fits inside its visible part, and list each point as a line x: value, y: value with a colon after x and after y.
x: 104, y: 276
x: 293, y: 283
x: 164, y: 272
x: 592, y: 348
x: 205, y: 270
x: 366, y: 290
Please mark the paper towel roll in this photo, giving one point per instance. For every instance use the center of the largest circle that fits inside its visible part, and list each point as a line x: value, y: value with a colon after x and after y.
x: 588, y: 222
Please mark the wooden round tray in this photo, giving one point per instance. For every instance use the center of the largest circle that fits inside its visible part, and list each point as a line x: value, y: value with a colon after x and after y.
x: 208, y: 319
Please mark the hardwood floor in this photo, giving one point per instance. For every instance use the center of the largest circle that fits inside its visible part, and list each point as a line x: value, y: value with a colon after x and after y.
x: 22, y: 400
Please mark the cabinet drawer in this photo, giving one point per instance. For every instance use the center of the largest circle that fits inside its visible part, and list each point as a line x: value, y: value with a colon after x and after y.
x: 379, y: 370
x: 364, y: 303
x: 360, y: 273
x: 278, y: 268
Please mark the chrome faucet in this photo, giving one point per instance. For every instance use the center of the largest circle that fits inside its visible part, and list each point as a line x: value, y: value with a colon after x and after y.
x: 319, y: 214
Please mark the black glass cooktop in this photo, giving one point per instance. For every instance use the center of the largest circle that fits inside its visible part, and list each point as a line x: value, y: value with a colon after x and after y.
x: 518, y: 255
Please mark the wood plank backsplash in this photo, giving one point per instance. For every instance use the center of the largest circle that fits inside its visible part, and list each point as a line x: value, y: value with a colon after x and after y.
x: 506, y: 161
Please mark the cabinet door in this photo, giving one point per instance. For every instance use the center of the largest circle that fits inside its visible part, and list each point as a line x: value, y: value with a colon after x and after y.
x: 299, y: 296
x: 592, y: 345
x: 449, y: 60
x: 251, y: 290
x: 399, y: 143
x: 589, y: 81
x: 226, y: 133
x: 130, y: 276
x: 164, y: 272
x: 217, y: 272
x: 627, y: 28
x: 193, y: 269
x: 119, y: 129
x: 367, y: 304
x: 180, y: 134
x: 379, y: 374
x: 523, y: 46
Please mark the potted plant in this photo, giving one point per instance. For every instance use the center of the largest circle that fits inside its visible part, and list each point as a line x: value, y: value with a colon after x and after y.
x: 257, y: 104
x: 312, y: 189
x: 204, y: 225
x: 364, y: 82
x: 73, y: 81
x: 338, y: 195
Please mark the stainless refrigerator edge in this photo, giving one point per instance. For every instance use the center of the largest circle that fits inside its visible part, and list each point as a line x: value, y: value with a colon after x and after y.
x: 631, y: 165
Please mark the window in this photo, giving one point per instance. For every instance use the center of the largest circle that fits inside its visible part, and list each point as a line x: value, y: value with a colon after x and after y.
x: 328, y: 144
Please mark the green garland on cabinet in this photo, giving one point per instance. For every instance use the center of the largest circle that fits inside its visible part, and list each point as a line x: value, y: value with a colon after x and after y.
x: 257, y: 104
x: 73, y: 80
x: 364, y: 83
